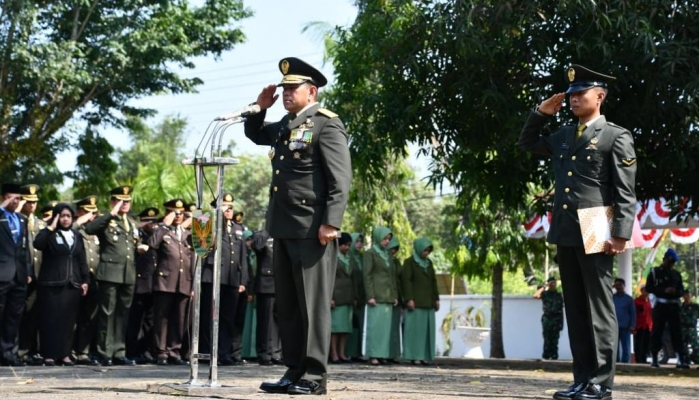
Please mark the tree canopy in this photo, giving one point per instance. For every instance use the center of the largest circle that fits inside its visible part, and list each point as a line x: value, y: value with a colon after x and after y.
x: 460, y: 77
x: 87, y: 59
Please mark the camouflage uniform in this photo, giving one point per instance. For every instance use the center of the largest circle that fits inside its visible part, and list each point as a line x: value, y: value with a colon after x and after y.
x: 551, y: 322
x: 689, y: 313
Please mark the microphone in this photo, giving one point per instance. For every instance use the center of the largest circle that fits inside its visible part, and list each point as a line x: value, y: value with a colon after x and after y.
x: 243, y: 112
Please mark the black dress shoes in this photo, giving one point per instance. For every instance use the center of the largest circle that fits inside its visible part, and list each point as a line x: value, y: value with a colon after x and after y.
x: 277, y: 361
x: 280, y: 386
x: 594, y: 391
x: 86, y: 360
x: 123, y: 361
x: 178, y: 361
x: 570, y: 392
x: 307, y: 387
x: 265, y: 363
x: 161, y: 361
x: 13, y: 362
x: 107, y: 362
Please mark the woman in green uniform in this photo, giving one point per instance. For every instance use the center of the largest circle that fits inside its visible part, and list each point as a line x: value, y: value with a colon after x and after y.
x: 421, y: 300
x: 355, y: 339
x: 342, y: 302
x: 381, y: 295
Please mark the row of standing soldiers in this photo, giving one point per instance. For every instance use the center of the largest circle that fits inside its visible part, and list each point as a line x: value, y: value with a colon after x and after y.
x: 138, y: 286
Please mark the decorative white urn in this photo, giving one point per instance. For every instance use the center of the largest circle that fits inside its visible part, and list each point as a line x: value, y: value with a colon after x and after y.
x: 473, y: 340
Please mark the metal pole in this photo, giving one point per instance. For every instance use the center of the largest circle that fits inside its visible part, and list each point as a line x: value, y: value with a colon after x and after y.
x: 196, y: 315
x: 213, y: 371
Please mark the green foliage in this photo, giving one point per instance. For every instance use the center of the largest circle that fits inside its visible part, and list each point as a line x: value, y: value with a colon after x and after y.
x: 95, y: 169
x: 512, y: 284
x: 88, y: 59
x: 459, y: 78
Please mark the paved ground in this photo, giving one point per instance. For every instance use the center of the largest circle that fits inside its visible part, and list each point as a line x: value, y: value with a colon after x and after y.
x: 447, y: 379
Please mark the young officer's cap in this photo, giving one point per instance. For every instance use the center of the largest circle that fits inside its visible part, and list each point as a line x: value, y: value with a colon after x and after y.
x: 581, y: 78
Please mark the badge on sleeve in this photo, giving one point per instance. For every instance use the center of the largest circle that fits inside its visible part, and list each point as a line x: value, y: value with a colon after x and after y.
x: 628, y: 161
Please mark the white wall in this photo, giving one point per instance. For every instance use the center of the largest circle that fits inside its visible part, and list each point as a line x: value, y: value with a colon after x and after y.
x: 521, y: 325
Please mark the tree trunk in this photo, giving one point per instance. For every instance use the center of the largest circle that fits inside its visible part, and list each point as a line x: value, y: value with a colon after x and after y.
x: 497, y: 348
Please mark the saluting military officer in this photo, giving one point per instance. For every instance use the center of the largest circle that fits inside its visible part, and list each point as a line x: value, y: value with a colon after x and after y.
x: 594, y: 164
x: 116, y: 275
x: 172, y: 283
x: 311, y: 177
x: 139, y: 329
x: 235, y: 277
x: 29, y: 329
x: 85, y: 326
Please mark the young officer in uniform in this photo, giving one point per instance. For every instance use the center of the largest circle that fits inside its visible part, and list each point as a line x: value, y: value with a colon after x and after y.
x: 269, y: 346
x: 85, y: 326
x: 116, y: 275
x: 594, y: 164
x: 172, y: 283
x: 308, y: 194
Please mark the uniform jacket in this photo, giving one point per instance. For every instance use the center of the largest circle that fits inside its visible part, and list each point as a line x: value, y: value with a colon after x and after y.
x: 234, y: 259
x: 379, y: 279
x: 175, y: 268
x: 61, y: 264
x: 419, y: 284
x: 34, y: 254
x: 660, y: 278
x: 344, y: 291
x: 145, y: 267
x: 91, y: 245
x: 14, y: 257
x: 117, y: 248
x: 264, y: 277
x: 310, y: 185
x: 599, y: 169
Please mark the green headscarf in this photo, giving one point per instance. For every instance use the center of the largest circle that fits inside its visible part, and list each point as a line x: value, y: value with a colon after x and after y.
x: 380, y: 232
x: 247, y: 234
x: 393, y: 243
x: 354, y: 254
x: 419, y: 245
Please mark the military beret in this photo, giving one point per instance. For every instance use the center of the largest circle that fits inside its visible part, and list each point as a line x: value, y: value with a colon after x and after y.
x: 28, y: 192
x: 89, y: 203
x: 121, y: 192
x: 582, y: 78
x: 297, y: 71
x: 174, y: 205
x: 149, y: 214
x: 11, y: 188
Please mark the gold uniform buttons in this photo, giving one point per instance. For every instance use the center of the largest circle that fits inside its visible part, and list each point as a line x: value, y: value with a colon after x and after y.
x: 303, y: 201
x: 181, y: 270
x: 139, y: 275
x: 161, y: 274
x: 589, y: 158
x: 275, y: 188
x: 286, y: 142
x: 276, y: 172
x: 281, y: 157
x: 573, y: 158
x: 567, y: 190
x: 570, y: 173
x: 565, y: 206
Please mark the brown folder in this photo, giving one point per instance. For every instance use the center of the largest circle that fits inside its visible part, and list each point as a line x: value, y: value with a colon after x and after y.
x: 596, y: 228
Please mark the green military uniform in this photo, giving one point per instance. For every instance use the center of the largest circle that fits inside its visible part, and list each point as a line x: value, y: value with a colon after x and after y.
x: 354, y: 340
x: 250, y: 326
x: 419, y: 284
x: 596, y: 169
x: 689, y: 314
x: 551, y: 322
x: 85, y: 326
x: 311, y: 175
x: 343, y: 296
x: 116, y: 276
x: 380, y: 284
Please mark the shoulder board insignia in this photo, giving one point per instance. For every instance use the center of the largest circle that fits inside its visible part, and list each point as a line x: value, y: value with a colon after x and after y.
x: 327, y: 113
x: 629, y: 161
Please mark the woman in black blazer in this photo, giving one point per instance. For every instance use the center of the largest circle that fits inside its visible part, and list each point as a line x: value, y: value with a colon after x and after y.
x: 61, y: 282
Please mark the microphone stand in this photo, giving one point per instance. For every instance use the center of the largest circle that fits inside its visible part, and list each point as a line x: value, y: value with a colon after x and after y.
x: 200, y: 163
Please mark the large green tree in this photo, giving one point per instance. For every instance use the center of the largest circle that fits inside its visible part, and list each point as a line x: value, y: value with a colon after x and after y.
x: 87, y: 58
x: 464, y: 75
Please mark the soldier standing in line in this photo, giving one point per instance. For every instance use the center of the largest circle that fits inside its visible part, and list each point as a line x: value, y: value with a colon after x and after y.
x: 116, y: 275
x: 666, y: 284
x: 249, y: 343
x: 139, y: 329
x: 234, y: 283
x: 172, y: 283
x: 29, y: 328
x: 354, y: 340
x: 689, y: 314
x: 85, y: 343
x: 552, y: 318
x: 269, y: 346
